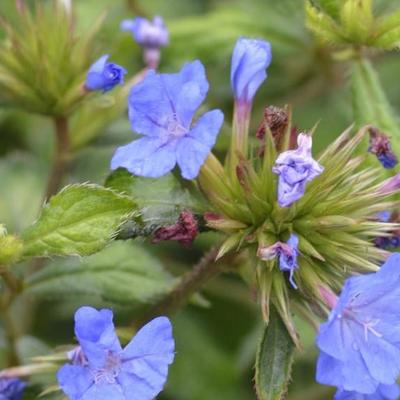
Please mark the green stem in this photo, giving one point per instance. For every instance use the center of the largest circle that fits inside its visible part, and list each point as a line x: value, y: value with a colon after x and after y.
x: 14, y: 287
x: 191, y: 282
x: 61, y: 156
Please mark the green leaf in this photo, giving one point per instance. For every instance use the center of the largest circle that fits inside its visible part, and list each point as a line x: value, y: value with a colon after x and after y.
x: 274, y: 360
x: 159, y: 201
x: 123, y: 274
x: 81, y: 219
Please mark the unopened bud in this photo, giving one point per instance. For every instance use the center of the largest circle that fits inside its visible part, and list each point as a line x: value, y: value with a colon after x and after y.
x: 184, y: 231
x: 379, y: 144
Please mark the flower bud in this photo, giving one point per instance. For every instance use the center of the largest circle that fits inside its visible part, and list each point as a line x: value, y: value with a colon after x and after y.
x: 379, y: 144
x: 104, y: 76
x: 250, y: 59
x: 153, y: 34
x: 184, y: 231
x: 390, y: 185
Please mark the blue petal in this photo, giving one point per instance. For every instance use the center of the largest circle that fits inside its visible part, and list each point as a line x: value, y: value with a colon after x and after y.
x: 149, y: 157
x: 187, y: 90
x: 74, y: 380
x: 146, y: 358
x: 98, y: 66
x: 96, y: 334
x: 105, y: 391
x: 129, y: 25
x: 329, y: 370
x: 193, y: 150
x: 250, y: 59
x: 331, y: 341
x: 382, y: 358
x: 160, y: 97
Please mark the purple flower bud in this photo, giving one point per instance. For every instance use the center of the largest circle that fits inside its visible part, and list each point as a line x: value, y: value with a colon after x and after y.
x: 295, y: 168
x: 153, y: 34
x: 104, y: 76
x: 379, y: 144
x: 184, y: 231
x: 11, y: 389
x: 287, y: 254
x: 250, y: 59
x: 390, y: 185
x: 360, y: 342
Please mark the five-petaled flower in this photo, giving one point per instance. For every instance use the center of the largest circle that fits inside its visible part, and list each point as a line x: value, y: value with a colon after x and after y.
x: 295, y: 168
x: 250, y: 59
x: 161, y: 108
x: 147, y: 33
x: 106, y: 371
x: 360, y: 342
x: 384, y: 392
x: 104, y: 75
x: 11, y: 389
x: 287, y: 254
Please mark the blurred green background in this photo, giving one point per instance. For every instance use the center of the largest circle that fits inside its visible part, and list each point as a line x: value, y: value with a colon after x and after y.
x: 216, y: 340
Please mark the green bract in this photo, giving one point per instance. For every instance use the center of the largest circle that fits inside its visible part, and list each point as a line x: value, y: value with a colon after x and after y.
x: 43, y: 62
x: 335, y: 221
x: 352, y: 22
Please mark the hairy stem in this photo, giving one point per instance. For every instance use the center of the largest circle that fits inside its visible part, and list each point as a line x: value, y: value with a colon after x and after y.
x: 190, y: 283
x: 61, y: 156
x: 14, y: 286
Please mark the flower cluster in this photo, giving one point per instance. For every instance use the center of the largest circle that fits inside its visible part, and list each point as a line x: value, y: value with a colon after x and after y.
x: 101, y: 369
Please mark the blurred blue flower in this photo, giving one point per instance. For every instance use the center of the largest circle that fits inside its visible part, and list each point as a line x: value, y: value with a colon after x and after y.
x: 11, y: 389
x: 360, y: 342
x: 109, y: 372
x: 250, y: 59
x: 104, y: 75
x: 161, y: 108
x: 147, y: 33
x: 384, y: 392
x: 295, y: 168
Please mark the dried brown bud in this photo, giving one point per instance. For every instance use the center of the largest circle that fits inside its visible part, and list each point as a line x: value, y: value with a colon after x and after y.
x: 184, y: 231
x: 277, y: 121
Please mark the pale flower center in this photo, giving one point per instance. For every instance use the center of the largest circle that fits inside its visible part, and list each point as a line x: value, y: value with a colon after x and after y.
x: 174, y: 127
x: 111, y: 370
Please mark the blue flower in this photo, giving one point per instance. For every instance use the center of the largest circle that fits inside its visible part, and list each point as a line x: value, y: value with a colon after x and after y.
x: 11, y: 389
x: 287, y: 254
x: 379, y: 144
x: 104, y: 76
x: 146, y: 33
x: 360, y: 342
x: 384, y: 392
x: 295, y: 168
x: 161, y: 108
x: 106, y: 371
x: 250, y: 59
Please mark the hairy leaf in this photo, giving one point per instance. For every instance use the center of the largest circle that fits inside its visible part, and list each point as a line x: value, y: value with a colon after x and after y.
x: 122, y: 274
x: 274, y: 360
x: 160, y: 201
x: 81, y: 220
